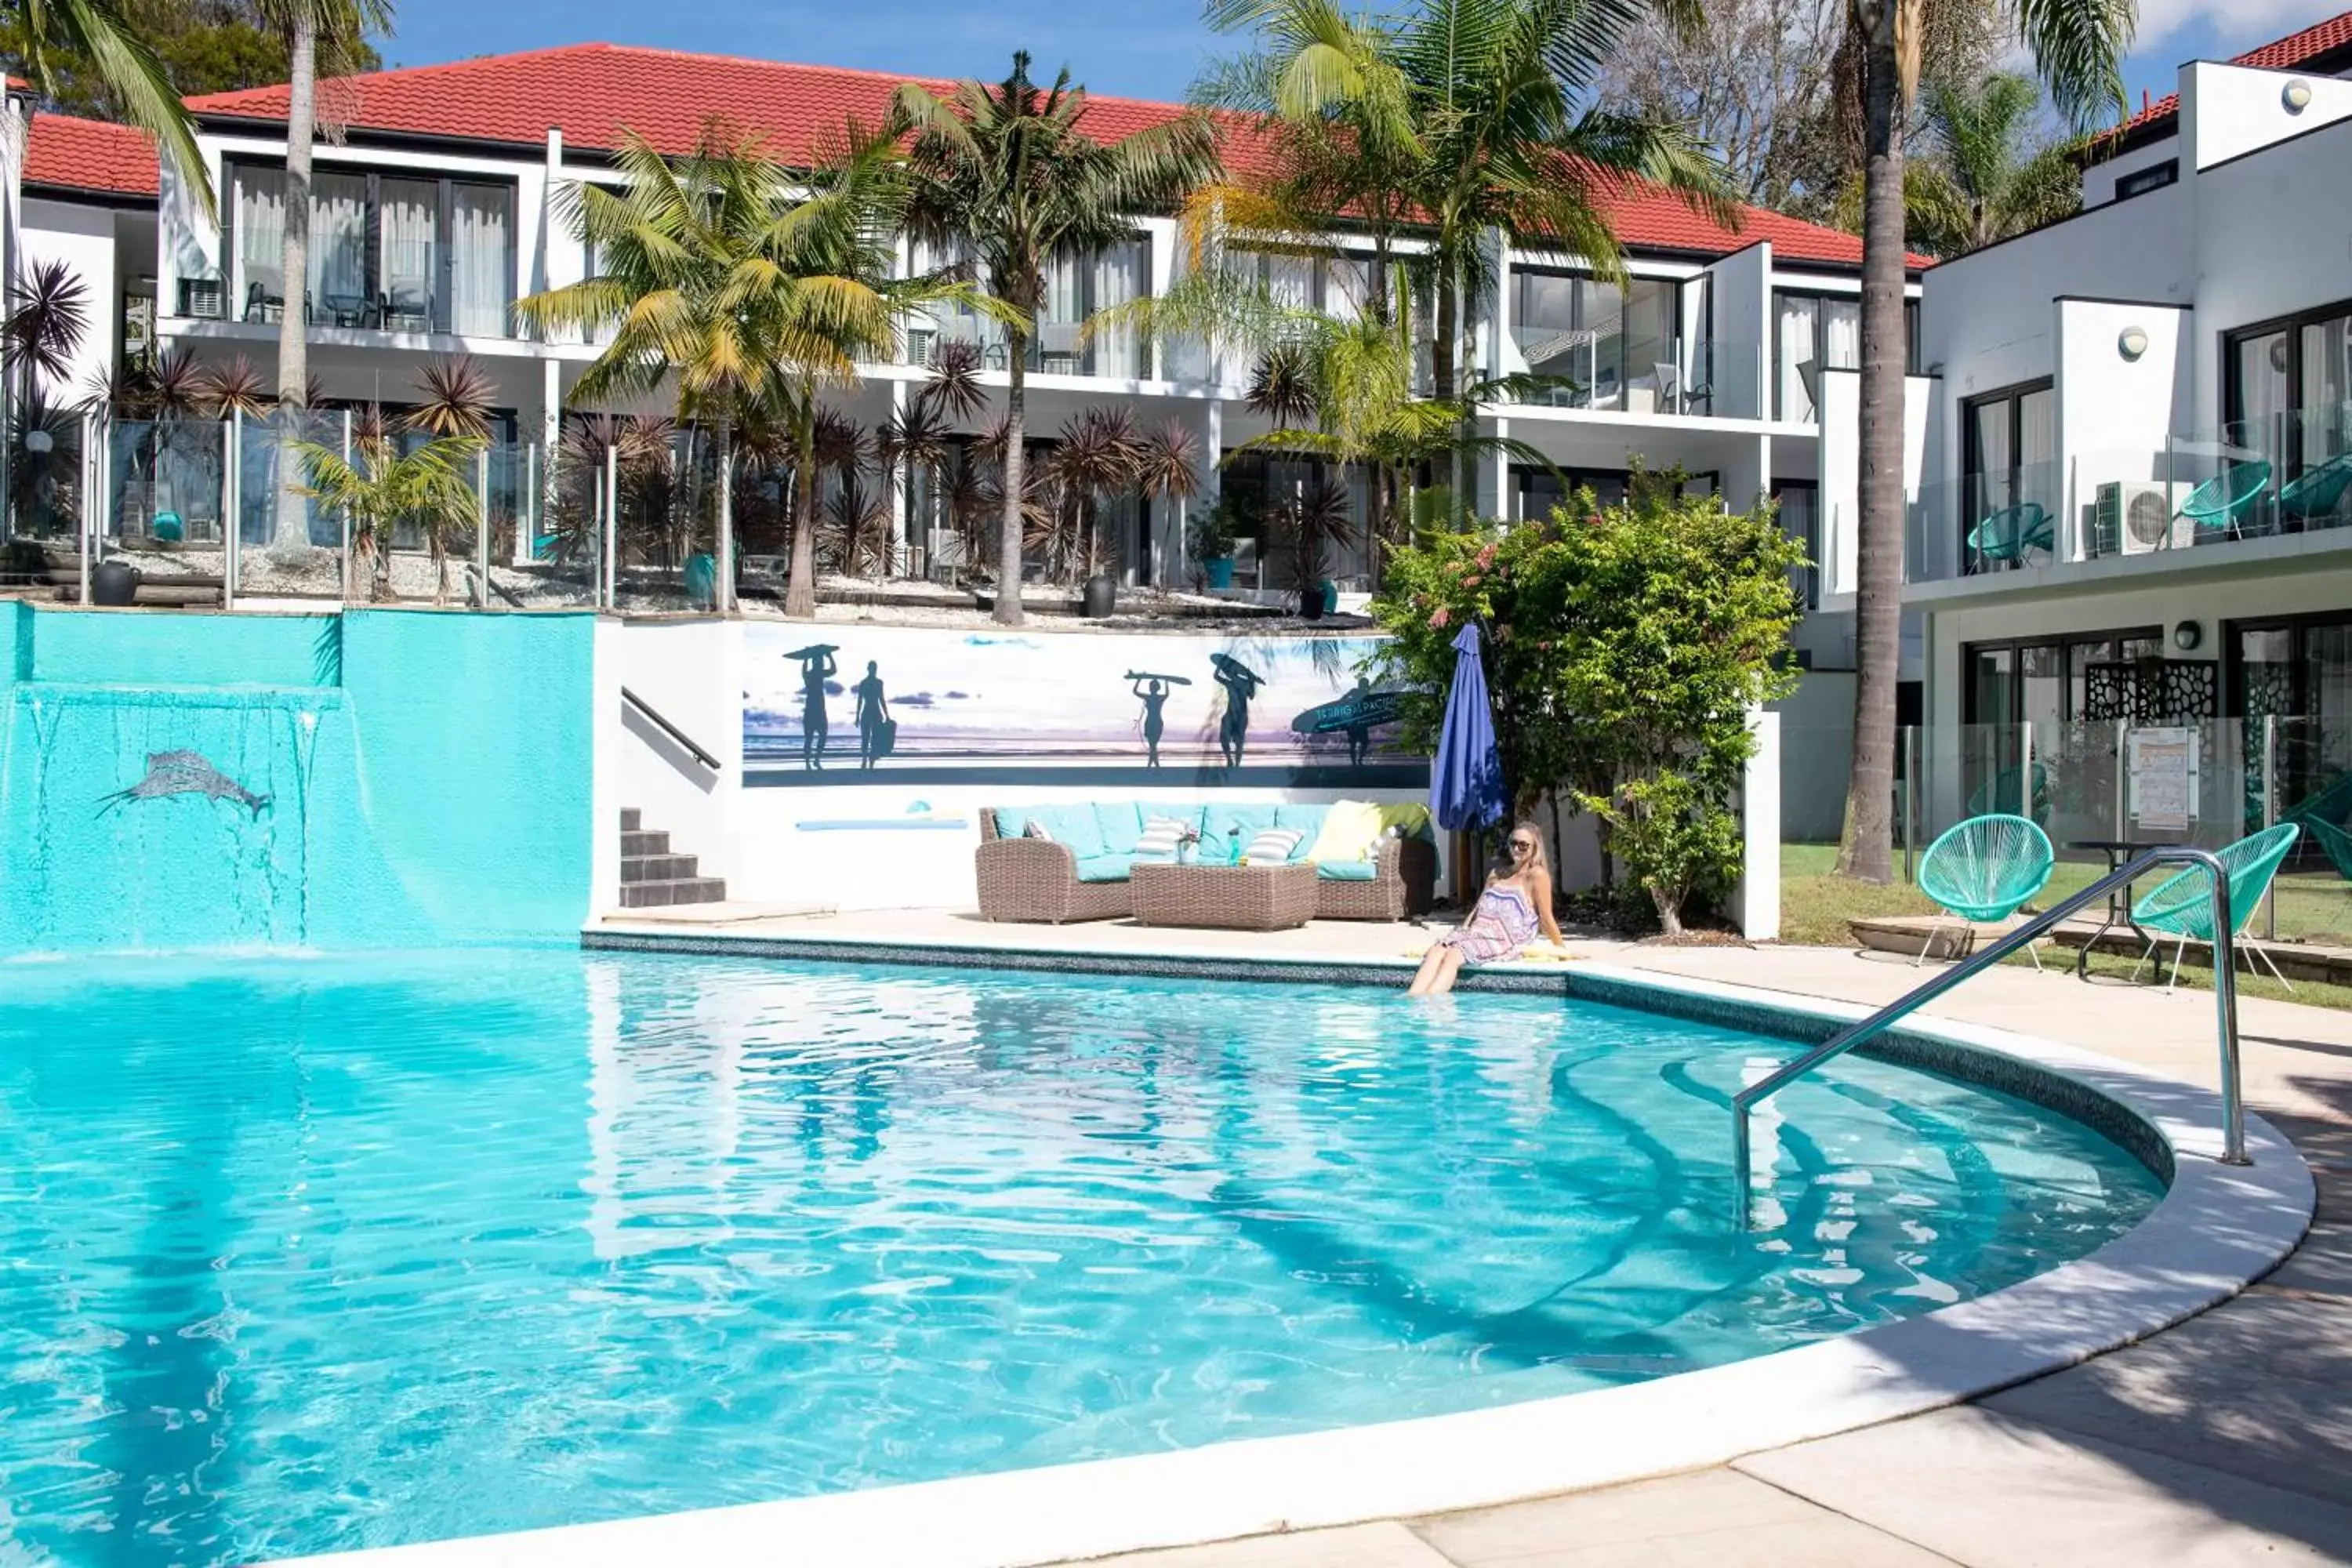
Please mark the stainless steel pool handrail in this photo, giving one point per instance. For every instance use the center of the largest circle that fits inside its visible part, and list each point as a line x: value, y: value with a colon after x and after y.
x: 2225, y: 1007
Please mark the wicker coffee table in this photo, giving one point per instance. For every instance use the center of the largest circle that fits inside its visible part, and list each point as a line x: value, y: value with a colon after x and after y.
x: 1230, y: 897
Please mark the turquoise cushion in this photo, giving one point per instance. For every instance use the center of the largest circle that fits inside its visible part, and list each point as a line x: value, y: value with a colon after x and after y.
x: 1216, y: 823
x: 1306, y: 819
x: 1072, y: 825
x: 1104, y: 868
x: 1012, y: 821
x: 1121, y: 823
x: 1345, y: 871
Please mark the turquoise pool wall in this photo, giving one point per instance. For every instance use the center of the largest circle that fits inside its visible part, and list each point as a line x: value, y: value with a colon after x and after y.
x: 421, y: 779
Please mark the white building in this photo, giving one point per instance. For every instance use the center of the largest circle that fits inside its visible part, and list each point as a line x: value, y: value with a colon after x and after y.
x: 434, y: 211
x: 2131, y: 455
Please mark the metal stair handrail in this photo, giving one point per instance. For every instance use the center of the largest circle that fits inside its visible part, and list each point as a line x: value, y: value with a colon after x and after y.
x: 631, y: 699
x: 2225, y: 1008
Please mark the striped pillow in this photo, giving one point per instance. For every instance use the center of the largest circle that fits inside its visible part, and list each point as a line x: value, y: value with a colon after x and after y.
x: 1158, y: 840
x: 1036, y: 830
x: 1272, y: 847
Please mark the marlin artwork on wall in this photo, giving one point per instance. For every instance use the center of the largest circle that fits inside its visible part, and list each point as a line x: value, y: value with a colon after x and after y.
x: 184, y: 772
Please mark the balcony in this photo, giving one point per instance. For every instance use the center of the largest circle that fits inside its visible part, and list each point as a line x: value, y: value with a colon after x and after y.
x: 2181, y: 499
x: 1603, y: 371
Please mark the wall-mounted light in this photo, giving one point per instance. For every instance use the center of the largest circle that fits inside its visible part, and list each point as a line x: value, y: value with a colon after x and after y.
x: 2132, y: 342
x: 2187, y: 635
x: 2296, y: 95
x: 38, y: 441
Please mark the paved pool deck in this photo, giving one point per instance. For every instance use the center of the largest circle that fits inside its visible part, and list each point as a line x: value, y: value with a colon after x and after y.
x: 2225, y: 1441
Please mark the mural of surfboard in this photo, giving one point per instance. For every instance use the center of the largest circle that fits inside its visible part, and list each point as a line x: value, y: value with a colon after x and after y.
x: 1351, y: 712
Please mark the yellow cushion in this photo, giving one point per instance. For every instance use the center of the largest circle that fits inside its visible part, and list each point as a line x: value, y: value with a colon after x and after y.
x: 1409, y: 817
x: 1351, y: 828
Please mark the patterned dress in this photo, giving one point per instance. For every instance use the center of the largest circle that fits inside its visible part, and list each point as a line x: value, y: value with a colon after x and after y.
x: 1502, y: 924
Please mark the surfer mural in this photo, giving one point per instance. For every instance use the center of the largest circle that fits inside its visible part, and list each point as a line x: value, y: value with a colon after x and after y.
x: 1205, y: 710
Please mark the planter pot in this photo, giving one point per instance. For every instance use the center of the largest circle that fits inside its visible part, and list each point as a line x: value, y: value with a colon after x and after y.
x: 1221, y: 573
x: 1101, y: 597
x: 113, y: 582
x: 701, y: 581
x: 1310, y: 603
x: 1330, y: 592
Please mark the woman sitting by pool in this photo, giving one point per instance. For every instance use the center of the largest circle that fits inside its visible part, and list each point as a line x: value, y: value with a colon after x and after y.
x: 1518, y: 901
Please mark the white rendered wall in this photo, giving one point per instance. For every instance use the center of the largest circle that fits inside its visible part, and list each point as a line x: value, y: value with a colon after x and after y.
x: 1755, y: 900
x: 82, y: 237
x: 1743, y: 306
x: 2112, y: 411
x: 1840, y: 409
x: 2227, y: 111
x: 2099, y: 179
x: 690, y: 672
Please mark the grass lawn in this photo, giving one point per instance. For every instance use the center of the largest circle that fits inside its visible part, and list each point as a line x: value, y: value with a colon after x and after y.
x: 1816, y: 904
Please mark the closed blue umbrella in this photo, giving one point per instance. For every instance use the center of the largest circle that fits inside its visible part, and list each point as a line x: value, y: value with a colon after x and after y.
x: 1465, y: 785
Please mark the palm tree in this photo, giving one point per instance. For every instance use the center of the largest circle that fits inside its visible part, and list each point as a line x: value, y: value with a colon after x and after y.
x: 1985, y: 179
x: 317, y: 33
x: 2078, y: 48
x: 1011, y: 174
x: 380, y: 486
x: 754, y: 287
x: 1168, y: 467
x: 123, y: 62
x: 1476, y: 110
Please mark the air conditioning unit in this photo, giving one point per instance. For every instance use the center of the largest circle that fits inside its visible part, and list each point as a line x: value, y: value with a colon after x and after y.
x: 2133, y: 517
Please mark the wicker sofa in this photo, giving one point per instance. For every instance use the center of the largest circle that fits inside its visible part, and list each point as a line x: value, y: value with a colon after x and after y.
x: 1082, y: 872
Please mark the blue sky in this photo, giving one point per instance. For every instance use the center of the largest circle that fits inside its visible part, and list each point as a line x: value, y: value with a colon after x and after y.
x: 1146, y: 48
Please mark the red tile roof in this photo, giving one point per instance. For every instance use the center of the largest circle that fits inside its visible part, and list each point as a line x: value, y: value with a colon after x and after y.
x: 2280, y: 54
x: 64, y: 153
x: 593, y: 92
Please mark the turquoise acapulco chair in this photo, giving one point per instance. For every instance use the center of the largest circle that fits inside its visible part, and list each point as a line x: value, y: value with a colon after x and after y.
x: 2182, y: 906
x: 1985, y: 869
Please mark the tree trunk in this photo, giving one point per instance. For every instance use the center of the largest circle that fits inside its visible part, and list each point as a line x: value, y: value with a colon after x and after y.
x: 1866, y: 850
x: 722, y: 583
x: 1016, y: 428
x: 292, y: 524
x: 1441, y: 350
x: 799, y: 588
x: 1670, y: 913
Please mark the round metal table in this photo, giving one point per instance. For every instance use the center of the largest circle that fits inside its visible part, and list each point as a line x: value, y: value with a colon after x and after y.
x: 2118, y: 851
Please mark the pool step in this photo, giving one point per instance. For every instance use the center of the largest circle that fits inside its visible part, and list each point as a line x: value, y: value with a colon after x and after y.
x: 653, y: 876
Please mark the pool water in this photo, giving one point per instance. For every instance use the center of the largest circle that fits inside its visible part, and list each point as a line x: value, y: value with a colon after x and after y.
x: 315, y: 1254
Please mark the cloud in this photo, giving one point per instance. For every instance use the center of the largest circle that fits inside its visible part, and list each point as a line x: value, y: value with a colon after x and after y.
x: 2234, y: 26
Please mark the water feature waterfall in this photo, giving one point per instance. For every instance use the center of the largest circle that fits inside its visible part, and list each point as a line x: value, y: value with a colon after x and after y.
x: 164, y: 817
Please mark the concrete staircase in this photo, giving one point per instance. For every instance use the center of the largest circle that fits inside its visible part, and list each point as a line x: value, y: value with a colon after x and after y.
x: 654, y: 879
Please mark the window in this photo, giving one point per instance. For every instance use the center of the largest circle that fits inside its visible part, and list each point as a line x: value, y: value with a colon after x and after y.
x: 1814, y: 332
x: 2296, y: 670
x: 1800, y: 519
x: 2010, y: 450
x: 1620, y: 348
x: 2046, y: 680
x: 2155, y: 177
x: 402, y: 253
x: 1538, y: 491
x: 2287, y: 386
x: 1076, y: 285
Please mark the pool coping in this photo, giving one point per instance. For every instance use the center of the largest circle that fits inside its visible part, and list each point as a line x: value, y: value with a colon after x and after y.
x: 2216, y: 1229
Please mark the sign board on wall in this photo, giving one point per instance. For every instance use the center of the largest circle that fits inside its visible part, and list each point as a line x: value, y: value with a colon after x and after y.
x: 900, y: 705
x: 2162, y: 766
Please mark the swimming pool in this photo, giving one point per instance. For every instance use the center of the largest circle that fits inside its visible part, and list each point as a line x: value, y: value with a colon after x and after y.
x: 317, y: 1254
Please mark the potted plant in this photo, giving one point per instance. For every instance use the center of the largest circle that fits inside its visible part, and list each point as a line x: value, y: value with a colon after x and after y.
x: 1209, y: 540
x: 1319, y: 522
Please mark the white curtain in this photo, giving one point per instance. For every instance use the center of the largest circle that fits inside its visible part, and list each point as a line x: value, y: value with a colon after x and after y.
x: 482, y: 247
x: 1841, y: 334
x: 338, y: 247
x: 410, y: 254
x: 260, y: 220
x: 1799, y: 357
x: 1122, y: 272
x: 1061, y: 303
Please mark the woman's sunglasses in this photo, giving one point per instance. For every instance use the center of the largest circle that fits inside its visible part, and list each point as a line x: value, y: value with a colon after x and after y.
x: 1523, y: 846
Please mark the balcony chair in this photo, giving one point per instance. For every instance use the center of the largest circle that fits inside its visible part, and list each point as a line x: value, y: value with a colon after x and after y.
x: 1676, y: 396
x: 2003, y: 538
x: 2311, y: 498
x: 2182, y: 906
x: 1985, y: 869
x: 2221, y: 504
x: 260, y: 305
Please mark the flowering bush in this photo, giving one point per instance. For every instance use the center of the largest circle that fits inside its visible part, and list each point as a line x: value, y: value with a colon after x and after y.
x: 1625, y: 646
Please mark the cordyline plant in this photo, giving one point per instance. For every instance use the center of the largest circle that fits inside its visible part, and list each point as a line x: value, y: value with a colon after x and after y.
x: 1626, y: 645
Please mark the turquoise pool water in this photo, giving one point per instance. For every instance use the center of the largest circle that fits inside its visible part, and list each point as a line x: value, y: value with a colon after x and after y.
x: 304, y: 1255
